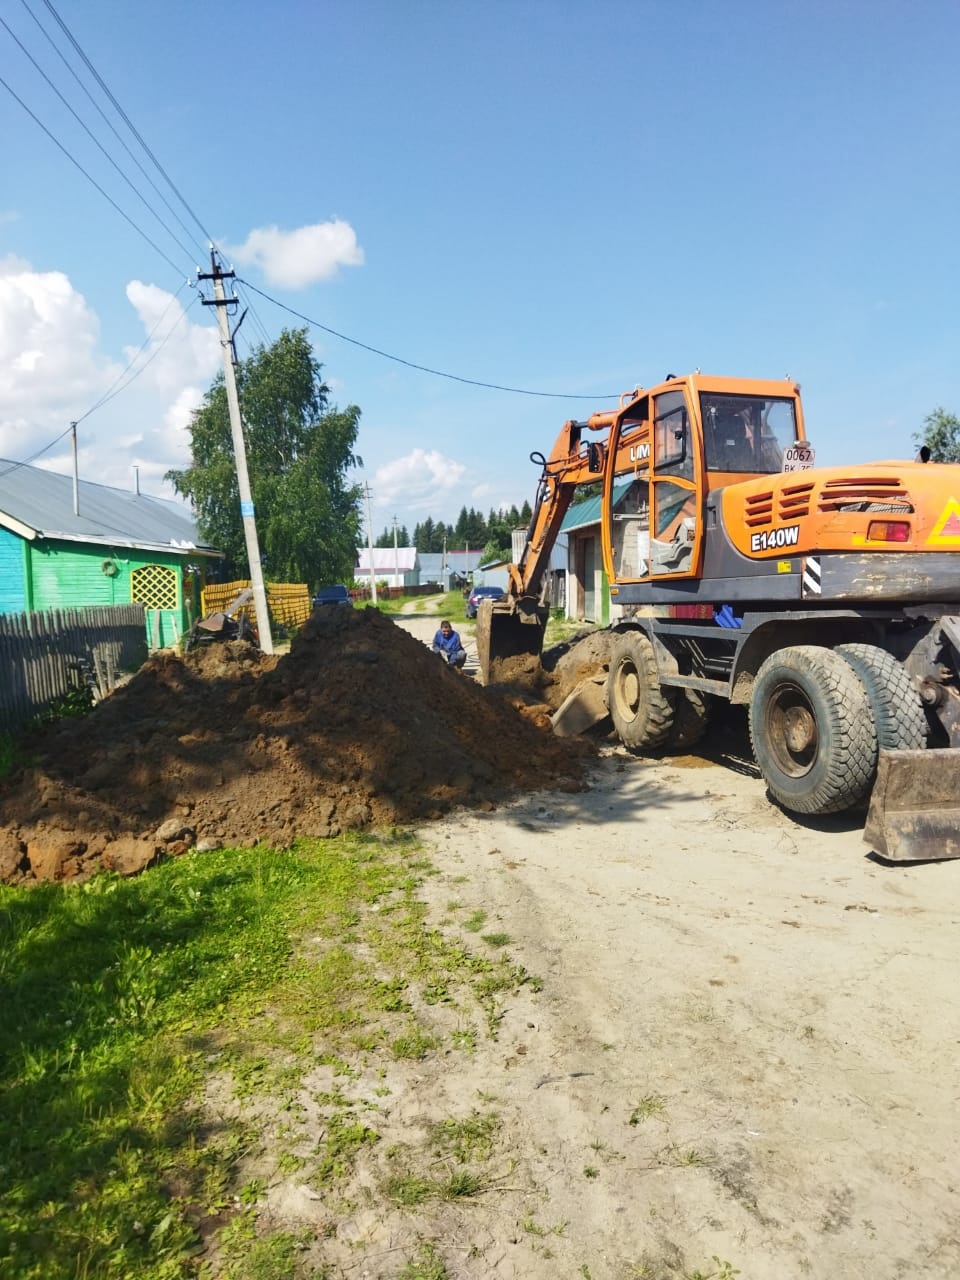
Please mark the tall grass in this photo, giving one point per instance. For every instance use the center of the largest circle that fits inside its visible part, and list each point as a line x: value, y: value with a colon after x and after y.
x: 113, y: 995
x: 121, y: 999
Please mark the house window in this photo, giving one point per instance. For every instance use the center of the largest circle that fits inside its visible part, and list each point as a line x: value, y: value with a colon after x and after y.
x: 155, y: 586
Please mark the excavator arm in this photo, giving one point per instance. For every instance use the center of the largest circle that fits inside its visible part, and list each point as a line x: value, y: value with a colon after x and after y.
x: 512, y: 628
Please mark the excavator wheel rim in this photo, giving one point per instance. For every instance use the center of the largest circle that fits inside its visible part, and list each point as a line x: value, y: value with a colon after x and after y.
x: 629, y: 688
x: 793, y: 730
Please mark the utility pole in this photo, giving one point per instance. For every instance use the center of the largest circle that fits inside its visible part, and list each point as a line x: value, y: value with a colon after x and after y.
x: 222, y: 302
x: 396, y: 555
x: 76, y: 471
x: 136, y: 472
x: 373, y: 576
x: 443, y: 564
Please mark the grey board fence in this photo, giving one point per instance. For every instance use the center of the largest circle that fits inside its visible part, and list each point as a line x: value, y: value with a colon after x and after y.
x: 44, y: 656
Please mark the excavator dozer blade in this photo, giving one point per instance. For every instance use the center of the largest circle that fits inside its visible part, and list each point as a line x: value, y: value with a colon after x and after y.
x: 507, y: 634
x: 914, y: 813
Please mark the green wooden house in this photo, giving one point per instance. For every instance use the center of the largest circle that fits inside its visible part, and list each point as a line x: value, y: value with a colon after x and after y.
x: 108, y: 547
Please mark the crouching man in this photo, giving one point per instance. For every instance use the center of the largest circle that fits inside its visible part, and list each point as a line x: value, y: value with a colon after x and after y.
x: 447, y: 643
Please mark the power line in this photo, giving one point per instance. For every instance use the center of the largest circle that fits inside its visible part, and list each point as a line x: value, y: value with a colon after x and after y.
x: 96, y: 141
x: 255, y: 318
x: 106, y: 119
x: 110, y: 200
x: 422, y: 368
x: 125, y: 118
x: 114, y: 389
x: 33, y: 457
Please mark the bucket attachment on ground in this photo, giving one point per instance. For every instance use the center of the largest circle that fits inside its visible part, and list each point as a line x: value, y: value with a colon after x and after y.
x: 582, y: 709
x: 509, y: 630
x: 914, y: 813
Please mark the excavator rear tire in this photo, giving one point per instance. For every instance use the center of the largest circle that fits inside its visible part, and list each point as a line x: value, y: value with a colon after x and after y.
x: 897, y: 710
x: 690, y: 720
x: 640, y: 709
x: 812, y: 730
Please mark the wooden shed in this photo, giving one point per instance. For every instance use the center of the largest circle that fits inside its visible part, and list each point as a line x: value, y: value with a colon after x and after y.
x: 108, y: 547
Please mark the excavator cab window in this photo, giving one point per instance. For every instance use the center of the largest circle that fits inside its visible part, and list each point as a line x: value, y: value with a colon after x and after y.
x: 745, y: 434
x: 671, y: 435
x: 674, y: 505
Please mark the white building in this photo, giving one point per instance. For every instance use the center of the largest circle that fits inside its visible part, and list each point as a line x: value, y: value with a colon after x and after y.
x: 395, y: 566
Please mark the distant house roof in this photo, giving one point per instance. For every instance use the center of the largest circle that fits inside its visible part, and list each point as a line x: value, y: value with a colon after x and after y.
x: 587, y: 513
x: 39, y: 504
x: 387, y: 560
x: 463, y: 562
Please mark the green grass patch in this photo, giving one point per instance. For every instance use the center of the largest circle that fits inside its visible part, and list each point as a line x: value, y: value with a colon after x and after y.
x: 427, y: 1264
x: 393, y: 604
x: 468, y: 1139
x: 128, y: 1004
x: 651, y: 1106
x: 497, y: 939
x: 12, y: 756
x: 559, y: 630
x: 410, y: 1189
x: 449, y: 605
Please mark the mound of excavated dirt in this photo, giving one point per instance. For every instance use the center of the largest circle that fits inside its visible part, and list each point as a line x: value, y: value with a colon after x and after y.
x: 360, y: 724
x: 556, y: 673
x: 581, y: 658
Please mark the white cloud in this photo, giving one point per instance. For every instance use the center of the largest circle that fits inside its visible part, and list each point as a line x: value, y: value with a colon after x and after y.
x: 52, y: 370
x: 419, y: 481
x: 295, y: 259
x: 179, y: 351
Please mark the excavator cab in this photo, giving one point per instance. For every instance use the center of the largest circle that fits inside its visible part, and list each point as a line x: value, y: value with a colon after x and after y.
x: 657, y: 454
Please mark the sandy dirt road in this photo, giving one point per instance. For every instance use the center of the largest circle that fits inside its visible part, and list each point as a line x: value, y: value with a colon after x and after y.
x: 745, y: 1053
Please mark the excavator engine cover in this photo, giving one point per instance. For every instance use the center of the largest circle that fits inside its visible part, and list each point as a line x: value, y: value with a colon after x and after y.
x: 914, y: 813
x: 507, y: 631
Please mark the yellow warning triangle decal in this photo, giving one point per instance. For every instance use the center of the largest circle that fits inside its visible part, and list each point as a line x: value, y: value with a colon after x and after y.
x: 946, y: 532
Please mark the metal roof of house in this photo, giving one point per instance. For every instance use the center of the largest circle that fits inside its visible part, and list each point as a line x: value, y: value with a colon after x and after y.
x: 432, y: 562
x: 39, y: 504
x: 587, y: 513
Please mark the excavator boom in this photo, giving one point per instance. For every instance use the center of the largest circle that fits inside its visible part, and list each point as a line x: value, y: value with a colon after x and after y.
x: 510, y: 631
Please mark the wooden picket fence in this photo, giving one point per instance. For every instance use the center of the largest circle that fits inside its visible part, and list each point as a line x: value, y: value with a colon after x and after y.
x: 44, y: 656
x: 289, y: 602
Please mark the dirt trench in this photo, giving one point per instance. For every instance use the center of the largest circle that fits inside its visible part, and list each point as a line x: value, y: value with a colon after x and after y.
x: 359, y: 724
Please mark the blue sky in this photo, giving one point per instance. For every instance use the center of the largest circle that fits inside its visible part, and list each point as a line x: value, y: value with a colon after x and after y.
x: 565, y: 197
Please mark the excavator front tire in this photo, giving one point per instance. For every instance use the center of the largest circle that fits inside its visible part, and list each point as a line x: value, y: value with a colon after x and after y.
x: 812, y: 730
x: 640, y: 709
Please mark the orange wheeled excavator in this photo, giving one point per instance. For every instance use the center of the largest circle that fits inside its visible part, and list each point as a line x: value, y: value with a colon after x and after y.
x: 827, y: 600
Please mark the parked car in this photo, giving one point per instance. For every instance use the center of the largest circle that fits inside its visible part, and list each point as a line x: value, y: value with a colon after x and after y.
x: 336, y: 594
x: 481, y: 593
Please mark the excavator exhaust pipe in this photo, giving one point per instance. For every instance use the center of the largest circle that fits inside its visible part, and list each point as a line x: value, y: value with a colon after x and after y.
x: 507, y: 633
x: 914, y: 813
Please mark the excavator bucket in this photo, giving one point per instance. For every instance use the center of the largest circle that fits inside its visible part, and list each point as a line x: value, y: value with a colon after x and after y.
x: 508, y: 632
x: 914, y: 813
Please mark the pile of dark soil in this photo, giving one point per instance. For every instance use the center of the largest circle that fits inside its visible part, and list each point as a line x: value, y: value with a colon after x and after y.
x: 359, y: 724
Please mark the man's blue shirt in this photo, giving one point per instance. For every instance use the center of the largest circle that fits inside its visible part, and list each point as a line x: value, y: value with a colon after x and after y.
x: 447, y: 644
